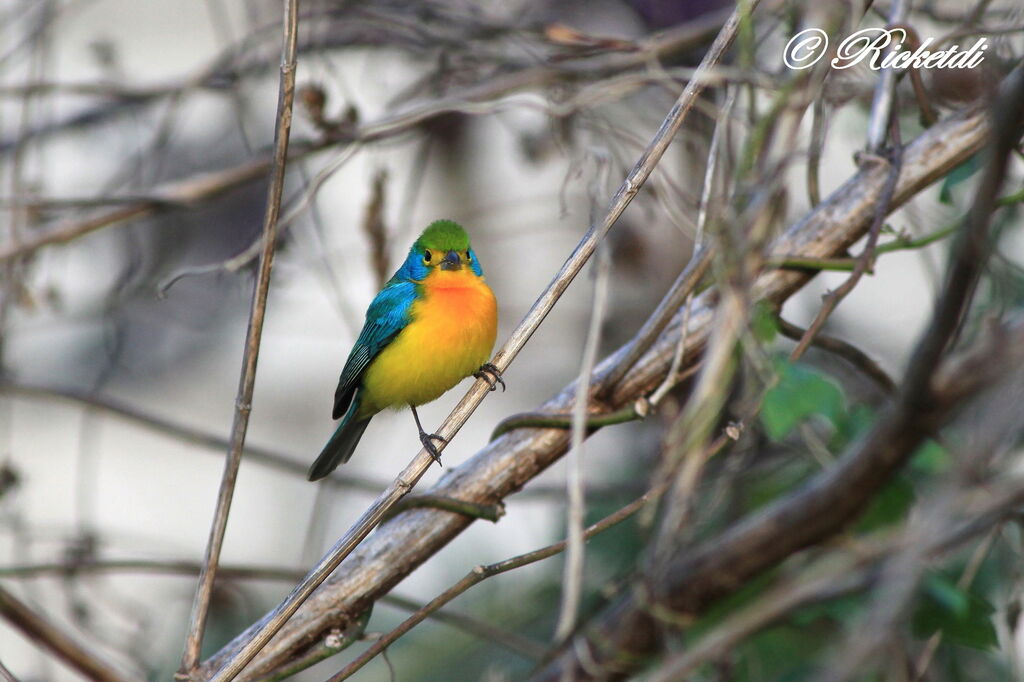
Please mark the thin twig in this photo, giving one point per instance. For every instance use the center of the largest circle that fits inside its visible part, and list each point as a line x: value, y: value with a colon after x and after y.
x: 698, y: 575
x: 685, y: 284
x: 187, y: 434
x: 815, y: 148
x: 866, y: 258
x: 551, y: 420
x: 38, y: 629
x: 572, y: 579
x: 845, y: 350
x: 478, y: 627
x: 6, y: 675
x: 243, y: 403
x: 68, y: 569
x: 964, y: 583
x: 504, y: 467
x: 883, y: 104
x: 481, y: 573
x: 710, y: 173
x: 407, y: 479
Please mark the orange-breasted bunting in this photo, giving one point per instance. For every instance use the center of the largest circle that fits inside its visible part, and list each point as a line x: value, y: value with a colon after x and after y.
x: 432, y: 325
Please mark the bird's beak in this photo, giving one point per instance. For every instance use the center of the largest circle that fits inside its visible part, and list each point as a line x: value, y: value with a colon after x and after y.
x: 451, y: 261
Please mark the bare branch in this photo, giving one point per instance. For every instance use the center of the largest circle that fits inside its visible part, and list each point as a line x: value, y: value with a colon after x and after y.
x: 257, y: 637
x: 36, y: 628
x: 243, y: 402
x: 696, y: 576
x: 481, y: 573
x: 855, y: 356
x: 508, y: 463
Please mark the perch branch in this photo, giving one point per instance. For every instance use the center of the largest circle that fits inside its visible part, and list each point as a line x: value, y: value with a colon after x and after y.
x: 256, y: 638
x: 243, y: 403
x: 510, y: 462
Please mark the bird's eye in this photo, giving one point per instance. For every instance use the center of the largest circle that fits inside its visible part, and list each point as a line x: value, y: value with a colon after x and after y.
x: 427, y: 256
x: 469, y: 257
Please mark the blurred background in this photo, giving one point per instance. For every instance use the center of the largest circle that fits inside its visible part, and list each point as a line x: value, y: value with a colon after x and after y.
x: 120, y: 350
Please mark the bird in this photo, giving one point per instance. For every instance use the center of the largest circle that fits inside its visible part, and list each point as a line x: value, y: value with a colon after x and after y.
x: 432, y: 325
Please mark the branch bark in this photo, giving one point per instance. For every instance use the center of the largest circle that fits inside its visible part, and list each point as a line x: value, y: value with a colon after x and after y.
x: 683, y: 586
x: 254, y: 640
x: 505, y: 465
x: 53, y: 639
x: 247, y: 380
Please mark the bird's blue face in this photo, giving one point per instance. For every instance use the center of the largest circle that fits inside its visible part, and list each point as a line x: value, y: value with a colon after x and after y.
x: 443, y: 246
x: 422, y: 260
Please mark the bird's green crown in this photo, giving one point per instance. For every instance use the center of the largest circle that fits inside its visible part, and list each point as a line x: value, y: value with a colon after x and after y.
x: 443, y: 235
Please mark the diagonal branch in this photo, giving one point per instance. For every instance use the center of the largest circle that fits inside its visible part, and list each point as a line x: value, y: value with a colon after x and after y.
x: 254, y: 639
x: 508, y: 463
x: 205, y: 186
x: 47, y: 635
x: 688, y: 582
x: 243, y: 402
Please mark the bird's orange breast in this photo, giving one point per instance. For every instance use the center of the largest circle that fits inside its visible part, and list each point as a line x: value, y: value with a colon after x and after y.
x: 451, y: 333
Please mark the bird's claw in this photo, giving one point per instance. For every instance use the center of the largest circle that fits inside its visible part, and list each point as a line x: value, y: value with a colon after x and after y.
x: 427, y: 439
x: 491, y: 374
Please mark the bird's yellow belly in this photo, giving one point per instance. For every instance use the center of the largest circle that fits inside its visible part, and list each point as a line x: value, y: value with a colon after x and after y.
x: 451, y: 334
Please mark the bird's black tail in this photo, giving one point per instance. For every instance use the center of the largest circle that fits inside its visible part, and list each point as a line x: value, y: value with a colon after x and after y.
x: 341, y: 445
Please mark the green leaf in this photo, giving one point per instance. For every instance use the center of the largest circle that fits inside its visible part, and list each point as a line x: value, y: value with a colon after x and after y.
x: 801, y: 393
x: 963, y: 617
x: 931, y: 458
x: 947, y: 594
x: 775, y: 481
x: 840, y: 610
x: 890, y: 505
x: 856, y: 421
x: 956, y: 176
x: 764, y: 323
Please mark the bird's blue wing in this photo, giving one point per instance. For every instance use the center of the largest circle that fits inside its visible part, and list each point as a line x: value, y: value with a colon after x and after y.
x: 385, y: 318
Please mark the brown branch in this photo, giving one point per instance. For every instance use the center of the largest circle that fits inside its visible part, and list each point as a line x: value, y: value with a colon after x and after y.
x: 488, y: 512
x: 238, y: 653
x: 5, y: 674
x: 41, y: 631
x: 247, y: 380
x: 866, y: 259
x: 183, y: 432
x: 686, y: 584
x: 73, y: 568
x: 845, y: 350
x: 507, y: 464
x: 374, y: 228
x: 205, y: 186
x: 481, y: 573
x: 825, y: 581
x: 382, y: 29
x: 186, y: 192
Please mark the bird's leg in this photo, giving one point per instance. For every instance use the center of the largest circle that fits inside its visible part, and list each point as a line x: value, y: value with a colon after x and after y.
x: 491, y: 374
x: 427, y: 439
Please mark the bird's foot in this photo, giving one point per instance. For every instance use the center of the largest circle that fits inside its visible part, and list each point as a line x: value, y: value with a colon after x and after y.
x: 491, y: 374
x: 427, y: 439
